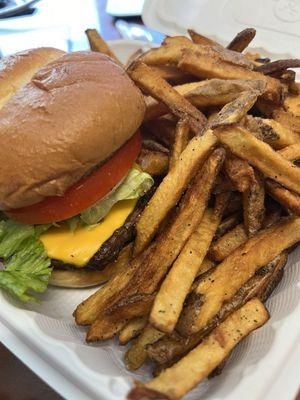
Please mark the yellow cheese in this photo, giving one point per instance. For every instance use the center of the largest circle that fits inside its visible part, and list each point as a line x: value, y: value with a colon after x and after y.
x: 78, y: 247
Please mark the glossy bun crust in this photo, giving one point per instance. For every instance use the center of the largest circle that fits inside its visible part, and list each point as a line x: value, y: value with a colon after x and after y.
x: 73, y: 114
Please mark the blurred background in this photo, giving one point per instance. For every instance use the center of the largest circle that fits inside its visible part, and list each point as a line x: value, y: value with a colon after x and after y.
x: 61, y: 23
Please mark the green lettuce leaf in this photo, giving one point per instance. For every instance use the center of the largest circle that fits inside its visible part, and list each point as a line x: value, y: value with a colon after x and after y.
x: 27, y: 266
x: 135, y: 185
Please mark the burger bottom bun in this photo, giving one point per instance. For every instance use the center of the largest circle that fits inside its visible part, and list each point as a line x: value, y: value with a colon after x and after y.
x: 80, y: 278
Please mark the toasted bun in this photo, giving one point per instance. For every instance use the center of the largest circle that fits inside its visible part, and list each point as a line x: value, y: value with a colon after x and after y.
x: 17, y: 70
x: 79, y: 278
x: 73, y: 114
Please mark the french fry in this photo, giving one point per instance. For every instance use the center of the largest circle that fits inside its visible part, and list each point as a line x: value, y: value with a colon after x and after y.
x: 88, y: 310
x: 167, y: 307
x: 172, y: 74
x: 181, y: 141
x: 130, y: 294
x: 243, y: 144
x: 228, y: 223
x: 227, y: 243
x: 234, y: 111
x: 170, y: 348
x: 242, y: 40
x: 132, y: 329
x: 287, y: 119
x: 171, y: 188
x: 153, y: 145
x: 204, y: 66
x: 113, y: 319
x: 292, y: 104
x: 289, y: 200
x: 153, y: 162
x: 206, y: 265
x: 279, y: 65
x: 291, y: 153
x: 203, y: 94
x: 163, y: 129
x: 239, y: 172
x: 177, y: 380
x: 173, y: 40
x: 136, y: 355
x: 222, y: 184
x: 240, y: 265
x: 200, y: 39
x: 271, y: 131
x: 235, y: 205
x: 158, y: 88
x: 254, y: 205
x: 164, y: 55
x: 167, y: 246
x: 97, y: 43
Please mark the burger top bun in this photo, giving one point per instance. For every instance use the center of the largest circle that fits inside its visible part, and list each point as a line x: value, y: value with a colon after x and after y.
x: 73, y: 114
x: 17, y: 70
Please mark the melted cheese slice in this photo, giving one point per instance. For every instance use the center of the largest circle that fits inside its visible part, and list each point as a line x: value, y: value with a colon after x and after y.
x: 78, y: 247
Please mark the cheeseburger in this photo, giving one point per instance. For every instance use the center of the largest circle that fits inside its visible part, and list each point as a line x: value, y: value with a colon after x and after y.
x: 70, y: 191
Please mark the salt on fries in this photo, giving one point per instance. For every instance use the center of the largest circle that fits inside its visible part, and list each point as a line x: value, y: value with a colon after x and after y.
x: 222, y: 135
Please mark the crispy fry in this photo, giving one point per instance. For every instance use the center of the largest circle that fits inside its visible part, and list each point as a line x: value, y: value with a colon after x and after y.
x: 130, y: 293
x: 254, y: 205
x: 261, y: 155
x: 163, y: 129
x: 206, y: 265
x: 228, y: 223
x: 213, y: 92
x: 242, y: 40
x: 87, y: 311
x: 97, y: 43
x: 172, y: 74
x: 158, y: 88
x: 132, y: 329
x: 153, y: 162
x: 227, y: 243
x: 136, y: 355
x: 176, y: 381
x: 164, y: 55
x: 235, y: 205
x: 112, y: 320
x: 170, y: 348
x: 204, y: 66
x: 291, y: 153
x: 171, y: 188
x: 153, y: 145
x: 167, y: 246
x: 271, y: 131
x: 200, y: 39
x: 222, y: 184
x: 279, y: 65
x: 288, y: 199
x: 172, y: 40
x: 239, y: 172
x: 292, y: 105
x: 234, y: 111
x: 240, y: 266
x: 167, y: 307
x: 181, y: 141
x: 287, y: 119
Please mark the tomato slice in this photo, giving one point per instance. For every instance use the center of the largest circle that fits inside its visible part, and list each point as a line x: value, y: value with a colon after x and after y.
x: 86, y: 192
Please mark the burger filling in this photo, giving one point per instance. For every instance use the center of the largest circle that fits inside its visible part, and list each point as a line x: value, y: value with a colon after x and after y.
x: 28, y: 249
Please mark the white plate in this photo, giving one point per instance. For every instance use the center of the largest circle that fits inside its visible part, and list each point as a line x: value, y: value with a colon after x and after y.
x: 277, y: 22
x: 262, y: 367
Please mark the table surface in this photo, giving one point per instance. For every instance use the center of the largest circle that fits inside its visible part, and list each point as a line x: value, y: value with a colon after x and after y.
x: 12, y: 370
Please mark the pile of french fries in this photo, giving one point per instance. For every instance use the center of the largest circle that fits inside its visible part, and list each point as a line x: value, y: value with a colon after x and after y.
x: 222, y: 136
